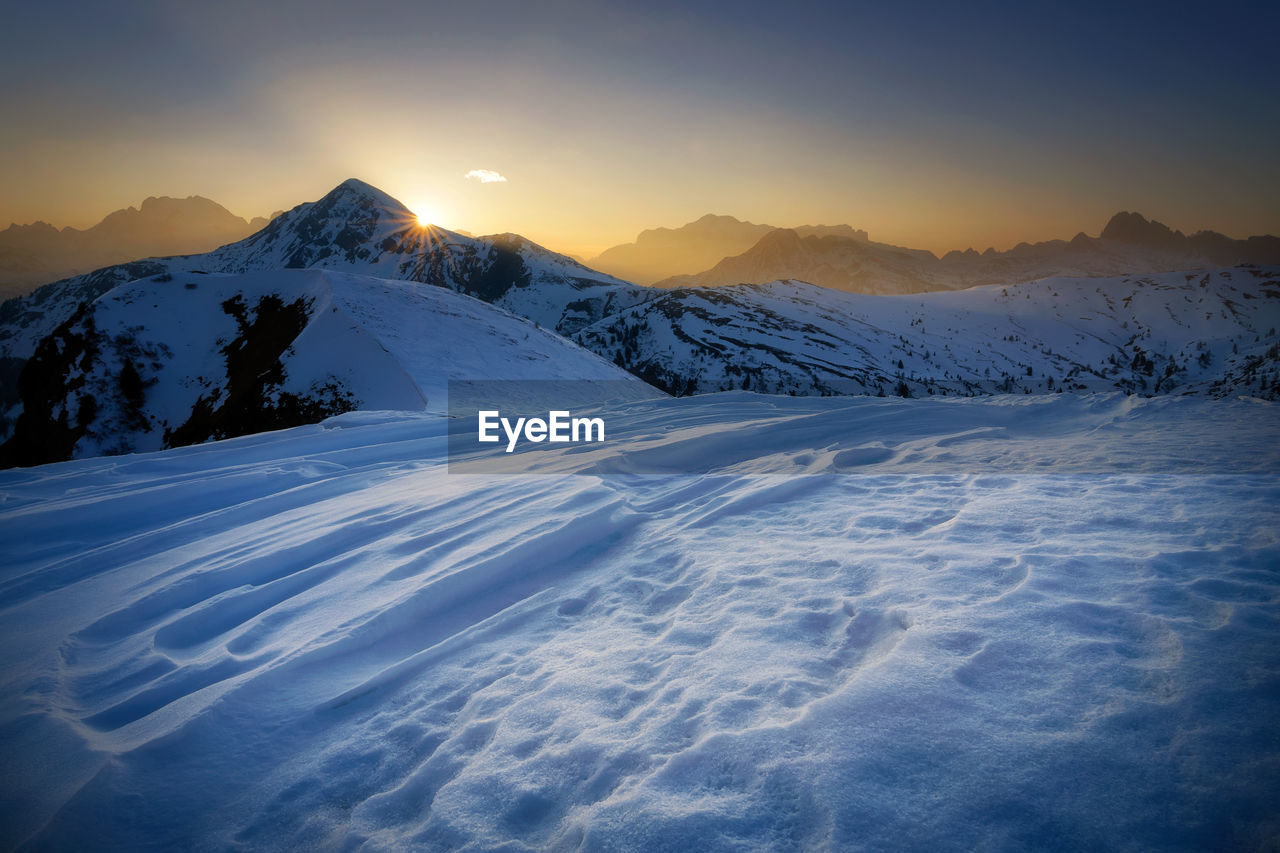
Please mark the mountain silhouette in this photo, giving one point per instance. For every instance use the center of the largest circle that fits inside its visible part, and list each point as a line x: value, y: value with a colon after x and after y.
x: 1129, y: 243
x: 38, y: 253
x: 659, y: 253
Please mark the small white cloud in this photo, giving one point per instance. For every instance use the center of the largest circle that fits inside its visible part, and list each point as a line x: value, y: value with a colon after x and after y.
x: 485, y: 176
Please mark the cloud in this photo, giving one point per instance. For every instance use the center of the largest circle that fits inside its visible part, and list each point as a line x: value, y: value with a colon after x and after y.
x: 485, y: 176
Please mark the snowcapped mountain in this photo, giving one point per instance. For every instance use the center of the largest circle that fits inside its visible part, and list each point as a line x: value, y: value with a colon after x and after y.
x: 95, y: 385
x: 185, y: 357
x: 1128, y: 245
x: 358, y: 228
x: 1211, y: 332
x: 38, y: 253
x: 354, y: 228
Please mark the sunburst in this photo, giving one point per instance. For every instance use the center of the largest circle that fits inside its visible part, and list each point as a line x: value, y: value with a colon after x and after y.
x: 427, y: 214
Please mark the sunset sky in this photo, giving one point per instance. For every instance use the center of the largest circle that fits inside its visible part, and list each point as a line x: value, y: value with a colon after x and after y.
x: 938, y: 125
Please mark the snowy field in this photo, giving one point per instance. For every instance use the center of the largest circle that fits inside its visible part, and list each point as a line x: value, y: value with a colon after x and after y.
x: 992, y: 624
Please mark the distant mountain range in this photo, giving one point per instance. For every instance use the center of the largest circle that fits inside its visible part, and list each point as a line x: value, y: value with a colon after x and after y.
x: 35, y: 254
x: 1128, y: 244
x: 159, y: 345
x: 660, y: 253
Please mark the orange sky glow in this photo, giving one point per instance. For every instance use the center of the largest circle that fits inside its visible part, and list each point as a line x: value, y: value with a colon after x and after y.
x: 940, y: 131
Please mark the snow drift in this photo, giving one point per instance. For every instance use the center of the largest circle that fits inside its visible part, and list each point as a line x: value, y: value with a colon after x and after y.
x: 318, y: 639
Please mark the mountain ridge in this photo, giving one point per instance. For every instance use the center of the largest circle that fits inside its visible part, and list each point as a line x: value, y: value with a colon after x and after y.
x: 38, y: 253
x: 357, y: 228
x: 1208, y: 333
x: 781, y: 337
x: 1128, y: 243
x: 658, y: 253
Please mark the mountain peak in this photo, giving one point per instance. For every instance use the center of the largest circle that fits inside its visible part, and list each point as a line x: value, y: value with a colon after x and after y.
x: 357, y: 185
x: 780, y: 238
x: 718, y: 219
x: 356, y: 190
x: 1130, y: 227
x: 846, y: 231
x: 39, y: 226
x: 712, y: 225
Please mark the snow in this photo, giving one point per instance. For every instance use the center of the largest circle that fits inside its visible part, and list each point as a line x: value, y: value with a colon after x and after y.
x: 1187, y: 332
x: 380, y: 344
x: 745, y: 433
x: 1005, y: 623
x: 1202, y: 332
x: 356, y: 228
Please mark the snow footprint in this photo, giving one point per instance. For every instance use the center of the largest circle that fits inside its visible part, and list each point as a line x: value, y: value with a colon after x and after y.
x: 849, y: 640
x: 870, y: 636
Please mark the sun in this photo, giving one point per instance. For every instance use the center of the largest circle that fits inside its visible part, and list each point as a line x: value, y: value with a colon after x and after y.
x: 427, y: 214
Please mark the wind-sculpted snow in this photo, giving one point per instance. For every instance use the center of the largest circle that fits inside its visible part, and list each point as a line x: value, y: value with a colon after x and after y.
x: 1203, y: 332
x: 319, y: 639
x: 745, y: 433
